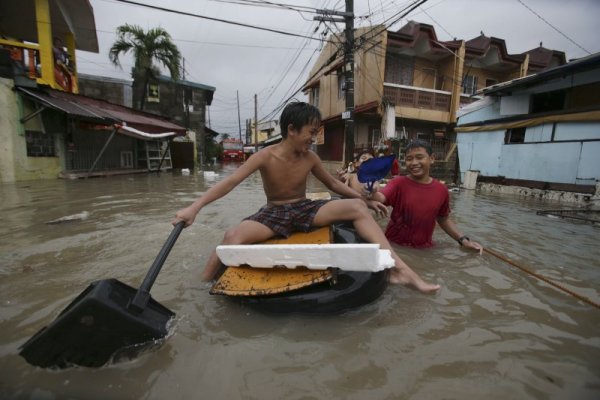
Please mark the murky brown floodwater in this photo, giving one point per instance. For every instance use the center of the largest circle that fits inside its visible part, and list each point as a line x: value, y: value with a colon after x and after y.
x: 492, y: 331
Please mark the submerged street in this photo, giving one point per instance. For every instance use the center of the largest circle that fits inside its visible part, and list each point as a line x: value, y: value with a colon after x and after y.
x: 492, y: 330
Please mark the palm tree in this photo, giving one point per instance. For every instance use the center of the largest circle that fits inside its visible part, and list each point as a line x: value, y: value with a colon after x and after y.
x: 147, y: 47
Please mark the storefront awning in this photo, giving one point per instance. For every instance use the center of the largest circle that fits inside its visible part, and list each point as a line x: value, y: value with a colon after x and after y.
x: 128, y: 121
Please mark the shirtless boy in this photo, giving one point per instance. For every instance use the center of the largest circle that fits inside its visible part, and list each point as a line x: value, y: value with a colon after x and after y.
x: 284, y: 169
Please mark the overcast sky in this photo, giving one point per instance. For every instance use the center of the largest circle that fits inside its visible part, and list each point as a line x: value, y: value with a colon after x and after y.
x: 273, y: 65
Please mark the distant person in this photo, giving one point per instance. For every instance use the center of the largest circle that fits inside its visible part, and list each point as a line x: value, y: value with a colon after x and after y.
x: 419, y: 201
x: 284, y: 168
x: 343, y: 172
x: 395, y: 171
x: 60, y: 55
x: 352, y: 178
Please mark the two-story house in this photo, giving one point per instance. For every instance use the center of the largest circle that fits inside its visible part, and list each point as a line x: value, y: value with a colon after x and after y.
x: 47, y: 129
x: 408, y: 84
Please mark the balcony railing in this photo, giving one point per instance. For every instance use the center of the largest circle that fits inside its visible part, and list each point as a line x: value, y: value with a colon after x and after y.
x: 408, y: 96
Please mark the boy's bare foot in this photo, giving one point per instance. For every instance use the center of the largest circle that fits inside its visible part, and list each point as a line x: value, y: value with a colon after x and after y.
x: 407, y: 277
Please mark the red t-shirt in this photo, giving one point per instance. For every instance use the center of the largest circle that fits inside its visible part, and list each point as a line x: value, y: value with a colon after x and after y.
x: 395, y: 167
x: 416, y: 208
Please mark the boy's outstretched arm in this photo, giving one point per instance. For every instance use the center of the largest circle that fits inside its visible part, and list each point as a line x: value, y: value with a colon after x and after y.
x: 450, y: 228
x: 188, y: 214
x: 344, y: 190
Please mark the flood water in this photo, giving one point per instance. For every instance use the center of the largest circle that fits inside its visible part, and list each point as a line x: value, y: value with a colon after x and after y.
x: 491, y: 332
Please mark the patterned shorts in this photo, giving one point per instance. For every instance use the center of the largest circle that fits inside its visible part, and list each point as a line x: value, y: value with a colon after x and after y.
x: 288, y: 218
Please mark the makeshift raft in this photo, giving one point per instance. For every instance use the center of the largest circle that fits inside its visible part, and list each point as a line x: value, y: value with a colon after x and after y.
x: 301, y: 290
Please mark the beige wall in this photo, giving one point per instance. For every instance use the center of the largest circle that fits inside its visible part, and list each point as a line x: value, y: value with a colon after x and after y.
x: 446, y: 70
x: 423, y: 114
x: 14, y: 164
x: 483, y: 75
x: 370, y: 67
x: 368, y: 74
x: 425, y: 73
x: 328, y: 83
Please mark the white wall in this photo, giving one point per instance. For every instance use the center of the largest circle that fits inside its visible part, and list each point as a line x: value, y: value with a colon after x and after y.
x: 573, y: 162
x: 480, y: 151
x: 577, y: 131
x: 514, y: 105
x: 539, y: 133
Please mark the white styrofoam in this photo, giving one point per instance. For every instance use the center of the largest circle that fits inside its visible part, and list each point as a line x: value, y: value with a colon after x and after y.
x: 348, y: 257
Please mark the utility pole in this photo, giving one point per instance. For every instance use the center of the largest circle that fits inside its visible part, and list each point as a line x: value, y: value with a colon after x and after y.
x: 255, y: 124
x: 349, y: 70
x: 237, y: 92
x: 348, y: 114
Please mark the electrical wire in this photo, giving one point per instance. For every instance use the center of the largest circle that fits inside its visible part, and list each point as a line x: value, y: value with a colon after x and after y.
x: 212, y: 18
x: 553, y: 27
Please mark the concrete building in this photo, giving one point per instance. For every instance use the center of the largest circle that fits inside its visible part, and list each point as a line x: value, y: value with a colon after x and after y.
x: 183, y: 102
x: 408, y: 84
x: 113, y: 90
x: 47, y: 130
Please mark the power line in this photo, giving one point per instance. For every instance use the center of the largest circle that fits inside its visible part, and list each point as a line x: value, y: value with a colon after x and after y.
x: 269, y: 4
x: 214, y: 19
x: 262, y: 3
x: 437, y: 23
x: 553, y: 27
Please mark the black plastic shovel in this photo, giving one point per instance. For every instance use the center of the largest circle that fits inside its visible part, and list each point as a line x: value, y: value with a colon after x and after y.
x: 107, y: 320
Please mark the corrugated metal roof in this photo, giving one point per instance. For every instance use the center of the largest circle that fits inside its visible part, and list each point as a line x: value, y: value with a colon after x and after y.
x: 582, y: 64
x: 102, y: 112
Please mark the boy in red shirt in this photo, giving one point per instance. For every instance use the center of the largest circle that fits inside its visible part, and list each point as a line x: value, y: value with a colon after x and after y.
x: 419, y: 201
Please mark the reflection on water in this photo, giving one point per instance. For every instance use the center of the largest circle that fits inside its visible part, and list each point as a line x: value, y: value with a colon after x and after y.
x: 492, y: 331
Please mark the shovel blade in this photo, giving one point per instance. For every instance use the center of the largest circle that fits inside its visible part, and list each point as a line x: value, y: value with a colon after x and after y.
x: 96, y: 326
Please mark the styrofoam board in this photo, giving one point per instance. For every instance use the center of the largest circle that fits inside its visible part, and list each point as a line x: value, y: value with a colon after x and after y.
x: 348, y: 257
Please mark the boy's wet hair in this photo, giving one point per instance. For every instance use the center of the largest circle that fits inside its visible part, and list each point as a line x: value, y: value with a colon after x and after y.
x: 415, y: 144
x: 298, y: 114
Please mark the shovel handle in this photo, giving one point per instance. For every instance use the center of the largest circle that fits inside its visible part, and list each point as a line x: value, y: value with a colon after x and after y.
x: 142, y: 296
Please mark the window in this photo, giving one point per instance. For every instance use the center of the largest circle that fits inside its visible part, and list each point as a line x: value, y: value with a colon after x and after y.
x: 188, y: 100
x: 314, y: 96
x: 126, y: 159
x: 549, y: 101
x: 399, y: 69
x: 514, y: 135
x: 470, y: 84
x: 341, y: 85
x: 40, y: 144
x: 374, y: 137
x: 153, y: 93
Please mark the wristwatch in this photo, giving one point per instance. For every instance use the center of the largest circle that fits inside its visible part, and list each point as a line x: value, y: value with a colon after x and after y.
x: 460, y: 239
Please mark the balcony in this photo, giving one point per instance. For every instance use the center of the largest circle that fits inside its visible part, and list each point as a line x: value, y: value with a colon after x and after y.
x: 413, y: 97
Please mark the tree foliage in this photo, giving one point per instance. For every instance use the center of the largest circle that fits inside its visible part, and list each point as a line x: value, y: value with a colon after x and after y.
x: 149, y: 47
